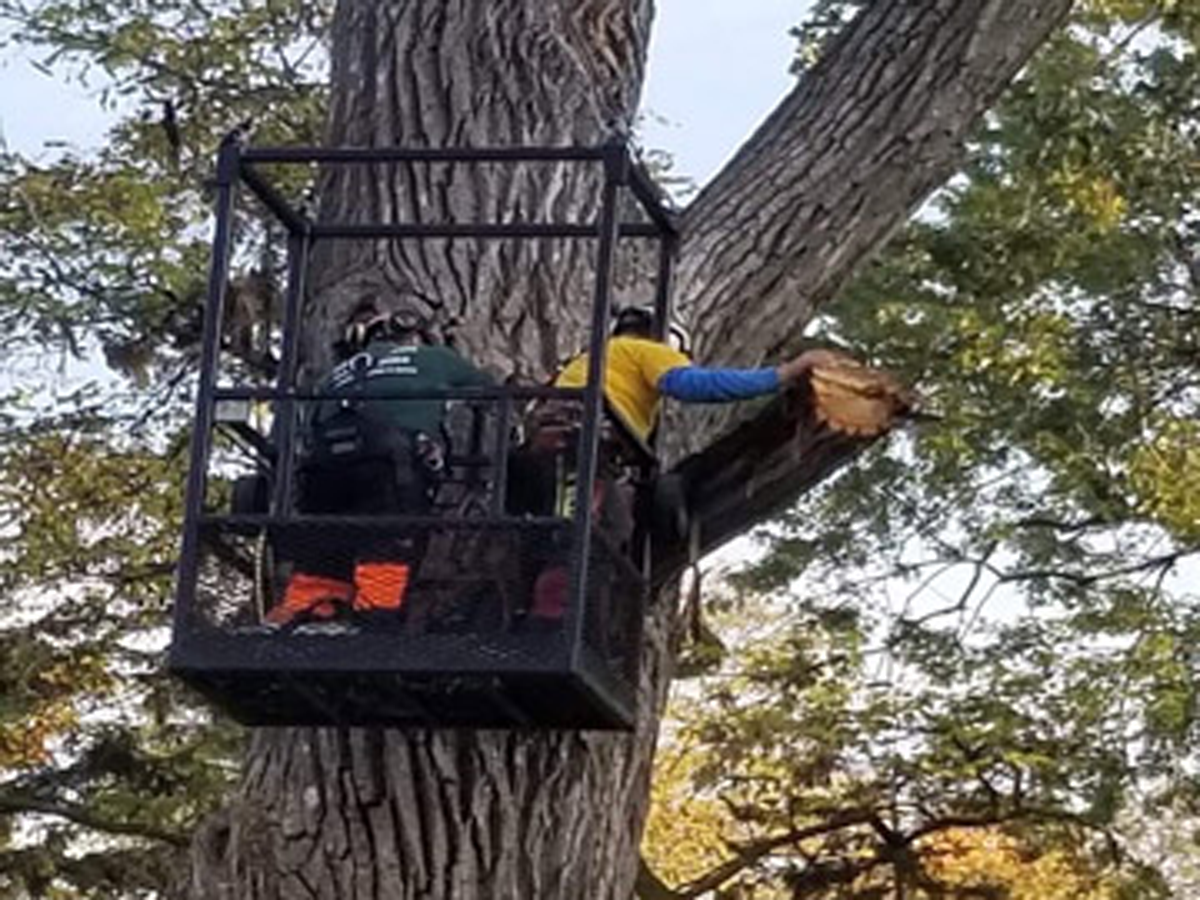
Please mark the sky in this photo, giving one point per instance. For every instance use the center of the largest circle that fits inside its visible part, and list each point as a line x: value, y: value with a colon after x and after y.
x: 716, y: 69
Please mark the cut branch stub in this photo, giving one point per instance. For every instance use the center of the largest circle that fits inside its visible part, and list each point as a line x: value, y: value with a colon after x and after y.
x: 852, y: 399
x: 761, y: 466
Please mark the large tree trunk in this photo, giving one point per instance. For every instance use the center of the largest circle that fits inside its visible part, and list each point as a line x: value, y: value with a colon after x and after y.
x: 444, y: 815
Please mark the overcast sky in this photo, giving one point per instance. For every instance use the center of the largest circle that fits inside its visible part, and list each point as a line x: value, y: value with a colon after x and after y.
x: 716, y: 68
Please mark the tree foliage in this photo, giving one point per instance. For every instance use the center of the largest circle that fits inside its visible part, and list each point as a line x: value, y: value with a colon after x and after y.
x: 966, y: 665
x: 105, y: 765
x: 110, y: 250
x: 990, y: 623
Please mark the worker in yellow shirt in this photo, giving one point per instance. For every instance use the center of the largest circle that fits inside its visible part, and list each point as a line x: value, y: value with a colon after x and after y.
x: 639, y: 371
x: 635, y: 366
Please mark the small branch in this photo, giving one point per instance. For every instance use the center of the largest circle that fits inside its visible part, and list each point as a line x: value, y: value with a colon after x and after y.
x: 1060, y: 525
x: 960, y: 605
x: 820, y: 877
x: 943, y: 566
x: 1164, y: 562
x: 83, y: 817
x: 133, y: 574
x: 1022, y: 813
x: 750, y: 853
x: 1119, y: 48
x: 650, y: 887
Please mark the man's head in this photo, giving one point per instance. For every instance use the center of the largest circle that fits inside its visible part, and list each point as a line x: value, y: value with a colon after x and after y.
x: 638, y: 321
x: 634, y: 321
x: 367, y: 323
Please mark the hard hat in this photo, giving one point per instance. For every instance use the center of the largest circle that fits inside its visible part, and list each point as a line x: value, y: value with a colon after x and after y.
x: 633, y: 318
x: 389, y: 326
x: 640, y: 319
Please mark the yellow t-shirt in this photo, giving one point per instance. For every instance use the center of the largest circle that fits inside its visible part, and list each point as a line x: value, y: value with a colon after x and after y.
x: 633, y: 368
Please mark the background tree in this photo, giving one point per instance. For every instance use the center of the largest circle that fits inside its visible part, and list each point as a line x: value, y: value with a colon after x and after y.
x: 1062, y: 214
x: 992, y: 622
x: 105, y: 765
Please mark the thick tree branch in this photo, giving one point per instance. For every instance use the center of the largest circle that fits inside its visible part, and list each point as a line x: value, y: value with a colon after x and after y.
x: 861, y: 140
x: 753, y: 472
x: 893, y: 846
x: 749, y: 854
x: 876, y: 126
x: 1017, y: 814
x: 650, y: 887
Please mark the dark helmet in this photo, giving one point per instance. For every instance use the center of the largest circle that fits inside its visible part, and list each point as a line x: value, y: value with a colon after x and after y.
x: 639, y: 320
x: 367, y: 324
x: 634, y: 320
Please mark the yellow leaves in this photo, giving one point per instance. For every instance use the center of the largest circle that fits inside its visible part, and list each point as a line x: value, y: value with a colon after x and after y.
x: 86, y: 673
x: 685, y: 830
x: 1122, y: 10
x: 26, y: 743
x: 1091, y: 196
x: 989, y: 858
x: 1166, y: 475
x: 43, y: 694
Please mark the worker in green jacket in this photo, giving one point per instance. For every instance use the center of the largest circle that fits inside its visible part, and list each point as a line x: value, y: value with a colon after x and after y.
x: 369, y: 450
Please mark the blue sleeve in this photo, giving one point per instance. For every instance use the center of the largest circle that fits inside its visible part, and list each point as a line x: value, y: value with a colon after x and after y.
x: 693, y: 384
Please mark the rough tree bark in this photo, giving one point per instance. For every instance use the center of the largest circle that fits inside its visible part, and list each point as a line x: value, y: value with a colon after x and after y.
x: 859, y: 142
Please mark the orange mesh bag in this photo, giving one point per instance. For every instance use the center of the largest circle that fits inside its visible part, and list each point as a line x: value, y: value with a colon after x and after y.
x: 315, y: 594
x: 380, y: 585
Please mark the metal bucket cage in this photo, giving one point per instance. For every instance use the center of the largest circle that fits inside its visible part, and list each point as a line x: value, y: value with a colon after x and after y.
x: 524, y: 566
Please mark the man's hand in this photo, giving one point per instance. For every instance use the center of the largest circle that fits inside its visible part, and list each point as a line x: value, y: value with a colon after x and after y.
x: 792, y: 371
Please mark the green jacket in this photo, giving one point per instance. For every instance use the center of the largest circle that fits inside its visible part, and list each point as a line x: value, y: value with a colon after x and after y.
x: 385, y: 369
